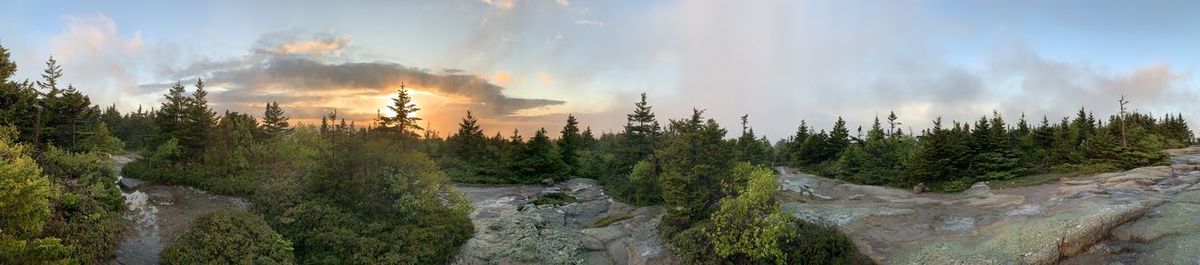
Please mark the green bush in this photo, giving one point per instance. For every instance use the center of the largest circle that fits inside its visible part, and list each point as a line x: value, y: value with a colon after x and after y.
x: 90, y: 207
x: 555, y: 199
x: 819, y: 244
x: 229, y: 237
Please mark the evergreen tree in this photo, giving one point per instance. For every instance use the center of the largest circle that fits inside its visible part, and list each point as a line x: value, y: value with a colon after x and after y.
x: 940, y: 156
x: 468, y: 143
x: 995, y: 157
x: 589, y: 140
x: 100, y: 139
x: 19, y: 104
x: 749, y: 148
x: 198, y: 121
x: 404, y: 123
x: 25, y: 207
x: 641, y: 135
x: 695, y: 161
x: 839, y: 139
x: 275, y: 122
x: 539, y: 160
x: 112, y: 117
x: 569, y: 145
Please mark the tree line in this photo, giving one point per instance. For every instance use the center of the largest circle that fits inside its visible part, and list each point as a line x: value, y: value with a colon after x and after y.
x: 340, y: 192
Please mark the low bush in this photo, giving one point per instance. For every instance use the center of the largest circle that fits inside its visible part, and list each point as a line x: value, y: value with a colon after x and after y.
x: 229, y: 237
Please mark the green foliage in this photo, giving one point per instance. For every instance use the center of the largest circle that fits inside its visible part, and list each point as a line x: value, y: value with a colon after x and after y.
x: 694, y: 160
x: 818, y: 244
x: 606, y: 220
x: 943, y: 156
x: 638, y: 141
x: 101, y: 140
x: 275, y: 122
x: 643, y: 183
x: 569, y: 145
x: 539, y: 160
x: 90, y: 204
x: 25, y: 202
x: 185, y: 119
x: 226, y: 237
x: 404, y: 122
x: 750, y: 148
x: 555, y: 199
x: 750, y: 225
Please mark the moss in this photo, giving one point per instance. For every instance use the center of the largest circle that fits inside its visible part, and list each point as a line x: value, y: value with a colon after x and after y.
x: 555, y: 199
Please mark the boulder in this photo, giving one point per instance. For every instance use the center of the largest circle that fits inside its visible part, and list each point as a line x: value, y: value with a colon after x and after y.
x: 129, y: 183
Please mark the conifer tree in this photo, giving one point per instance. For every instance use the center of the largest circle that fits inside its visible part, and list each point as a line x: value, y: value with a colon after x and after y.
x: 940, y: 155
x: 589, y: 139
x: 570, y: 143
x: 539, y: 160
x: 695, y: 160
x: 404, y: 123
x: 839, y: 139
x: 468, y: 144
x: 198, y: 121
x: 641, y: 135
x: 19, y: 105
x: 100, y: 139
x: 275, y: 122
x: 749, y: 148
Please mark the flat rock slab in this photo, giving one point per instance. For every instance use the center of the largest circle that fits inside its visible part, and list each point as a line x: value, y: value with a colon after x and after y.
x: 1147, y: 215
x: 509, y: 229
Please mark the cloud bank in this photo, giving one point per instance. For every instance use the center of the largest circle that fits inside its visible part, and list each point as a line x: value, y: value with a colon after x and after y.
x: 310, y: 75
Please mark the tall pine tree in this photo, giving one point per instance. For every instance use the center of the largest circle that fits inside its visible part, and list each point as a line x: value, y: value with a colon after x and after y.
x: 275, y: 122
x: 569, y: 144
x: 404, y: 122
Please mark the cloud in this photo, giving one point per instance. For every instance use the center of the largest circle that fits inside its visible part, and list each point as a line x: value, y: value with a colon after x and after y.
x: 297, y: 70
x: 783, y: 68
x: 502, y: 4
x: 589, y: 22
x: 101, y: 62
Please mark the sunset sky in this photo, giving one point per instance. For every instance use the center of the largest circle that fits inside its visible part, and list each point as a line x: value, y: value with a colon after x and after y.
x: 526, y: 64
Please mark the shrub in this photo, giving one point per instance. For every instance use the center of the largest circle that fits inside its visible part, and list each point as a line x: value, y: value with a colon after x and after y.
x: 555, y: 199
x: 228, y: 237
x: 819, y: 244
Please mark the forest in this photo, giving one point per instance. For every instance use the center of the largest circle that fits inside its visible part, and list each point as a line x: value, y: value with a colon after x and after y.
x: 343, y: 192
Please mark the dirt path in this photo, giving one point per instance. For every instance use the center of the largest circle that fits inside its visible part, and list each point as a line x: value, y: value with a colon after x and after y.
x: 159, y: 213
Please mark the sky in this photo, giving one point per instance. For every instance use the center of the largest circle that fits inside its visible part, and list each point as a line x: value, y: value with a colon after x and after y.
x: 526, y: 64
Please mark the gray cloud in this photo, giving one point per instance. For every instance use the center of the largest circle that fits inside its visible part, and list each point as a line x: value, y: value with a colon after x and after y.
x: 291, y: 68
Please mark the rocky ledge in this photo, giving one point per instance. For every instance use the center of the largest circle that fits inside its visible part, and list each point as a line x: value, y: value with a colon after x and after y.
x: 1146, y: 215
x: 522, y: 225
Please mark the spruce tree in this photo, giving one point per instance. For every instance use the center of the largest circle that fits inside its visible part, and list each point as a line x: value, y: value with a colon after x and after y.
x: 570, y: 143
x: 468, y: 144
x: 275, y: 122
x: 198, y: 121
x: 539, y: 160
x: 404, y: 123
x: 695, y: 161
x: 19, y: 104
x: 749, y: 148
x: 839, y: 139
x: 641, y: 135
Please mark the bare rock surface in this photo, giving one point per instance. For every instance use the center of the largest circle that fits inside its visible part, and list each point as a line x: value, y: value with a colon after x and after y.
x: 158, y: 214
x: 511, y: 229
x: 1147, y: 215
